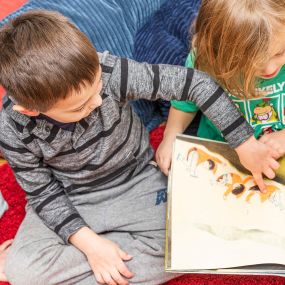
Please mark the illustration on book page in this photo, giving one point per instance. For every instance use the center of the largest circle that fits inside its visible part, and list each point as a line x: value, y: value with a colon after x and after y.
x: 217, y: 207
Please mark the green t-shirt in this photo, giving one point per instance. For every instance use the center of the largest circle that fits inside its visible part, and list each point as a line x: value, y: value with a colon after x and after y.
x: 265, y: 114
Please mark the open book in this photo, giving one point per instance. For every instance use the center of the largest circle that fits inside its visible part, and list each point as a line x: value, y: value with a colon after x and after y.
x: 217, y: 220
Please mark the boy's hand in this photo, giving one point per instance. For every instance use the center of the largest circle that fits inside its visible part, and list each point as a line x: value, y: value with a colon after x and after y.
x: 259, y: 159
x: 107, y: 262
x: 163, y: 154
x: 276, y: 141
x: 106, y: 259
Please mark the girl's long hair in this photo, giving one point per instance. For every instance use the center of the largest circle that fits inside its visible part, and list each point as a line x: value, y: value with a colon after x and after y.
x: 232, y: 39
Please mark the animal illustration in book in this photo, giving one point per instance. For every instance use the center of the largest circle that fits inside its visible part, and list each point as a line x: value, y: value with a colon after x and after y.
x: 199, y: 158
x: 236, y: 183
x: 238, y: 186
x: 263, y: 196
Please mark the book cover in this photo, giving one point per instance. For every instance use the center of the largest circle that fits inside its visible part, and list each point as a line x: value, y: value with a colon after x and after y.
x: 218, y: 221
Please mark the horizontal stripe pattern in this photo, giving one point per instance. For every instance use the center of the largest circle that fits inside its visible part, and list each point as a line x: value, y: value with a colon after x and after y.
x: 232, y: 127
x: 218, y: 93
x: 19, y: 150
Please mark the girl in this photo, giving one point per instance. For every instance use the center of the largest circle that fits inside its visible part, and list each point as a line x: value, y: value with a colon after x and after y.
x: 241, y: 43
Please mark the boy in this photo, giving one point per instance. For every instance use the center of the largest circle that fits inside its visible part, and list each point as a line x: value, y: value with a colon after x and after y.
x: 82, y: 156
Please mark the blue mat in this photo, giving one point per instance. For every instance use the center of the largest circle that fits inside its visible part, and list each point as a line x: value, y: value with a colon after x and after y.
x: 109, y: 24
x: 165, y: 38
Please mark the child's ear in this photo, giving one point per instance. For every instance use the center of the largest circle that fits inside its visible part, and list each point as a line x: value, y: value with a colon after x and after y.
x: 24, y: 111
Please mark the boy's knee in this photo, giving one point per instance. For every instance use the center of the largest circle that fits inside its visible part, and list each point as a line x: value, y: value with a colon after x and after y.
x: 20, y: 269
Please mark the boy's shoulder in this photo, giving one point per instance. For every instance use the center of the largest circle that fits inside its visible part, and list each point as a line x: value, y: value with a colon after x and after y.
x: 11, y: 123
x: 8, y: 129
x: 107, y: 59
x: 6, y: 120
x: 107, y: 63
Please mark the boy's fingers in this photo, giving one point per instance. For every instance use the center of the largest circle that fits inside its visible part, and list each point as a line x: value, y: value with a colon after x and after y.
x: 124, y: 255
x: 275, y: 149
x: 274, y: 165
x: 99, y: 278
x: 5, y: 244
x: 108, y: 279
x: 268, y: 172
x: 275, y: 153
x: 123, y: 269
x: 259, y: 181
x: 117, y: 277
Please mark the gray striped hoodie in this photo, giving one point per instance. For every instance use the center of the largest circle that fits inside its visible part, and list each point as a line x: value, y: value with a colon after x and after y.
x: 109, y: 146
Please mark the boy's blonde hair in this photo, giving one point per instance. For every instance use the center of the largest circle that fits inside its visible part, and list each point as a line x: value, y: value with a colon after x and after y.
x: 43, y: 57
x: 232, y: 38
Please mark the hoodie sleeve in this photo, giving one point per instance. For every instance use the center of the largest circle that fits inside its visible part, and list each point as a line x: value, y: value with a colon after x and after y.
x: 131, y: 80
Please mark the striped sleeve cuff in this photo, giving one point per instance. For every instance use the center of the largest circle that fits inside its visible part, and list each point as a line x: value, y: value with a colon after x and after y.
x: 238, y: 132
x: 70, y: 226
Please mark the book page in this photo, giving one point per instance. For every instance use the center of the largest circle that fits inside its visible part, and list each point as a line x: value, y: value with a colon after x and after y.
x: 219, y: 218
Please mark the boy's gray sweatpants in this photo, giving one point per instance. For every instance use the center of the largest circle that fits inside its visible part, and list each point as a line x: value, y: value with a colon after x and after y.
x: 132, y: 215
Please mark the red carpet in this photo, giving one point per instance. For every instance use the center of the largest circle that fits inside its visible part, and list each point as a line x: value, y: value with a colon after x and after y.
x: 15, y: 197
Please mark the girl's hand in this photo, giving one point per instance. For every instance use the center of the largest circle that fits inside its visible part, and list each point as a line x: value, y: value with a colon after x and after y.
x: 259, y: 159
